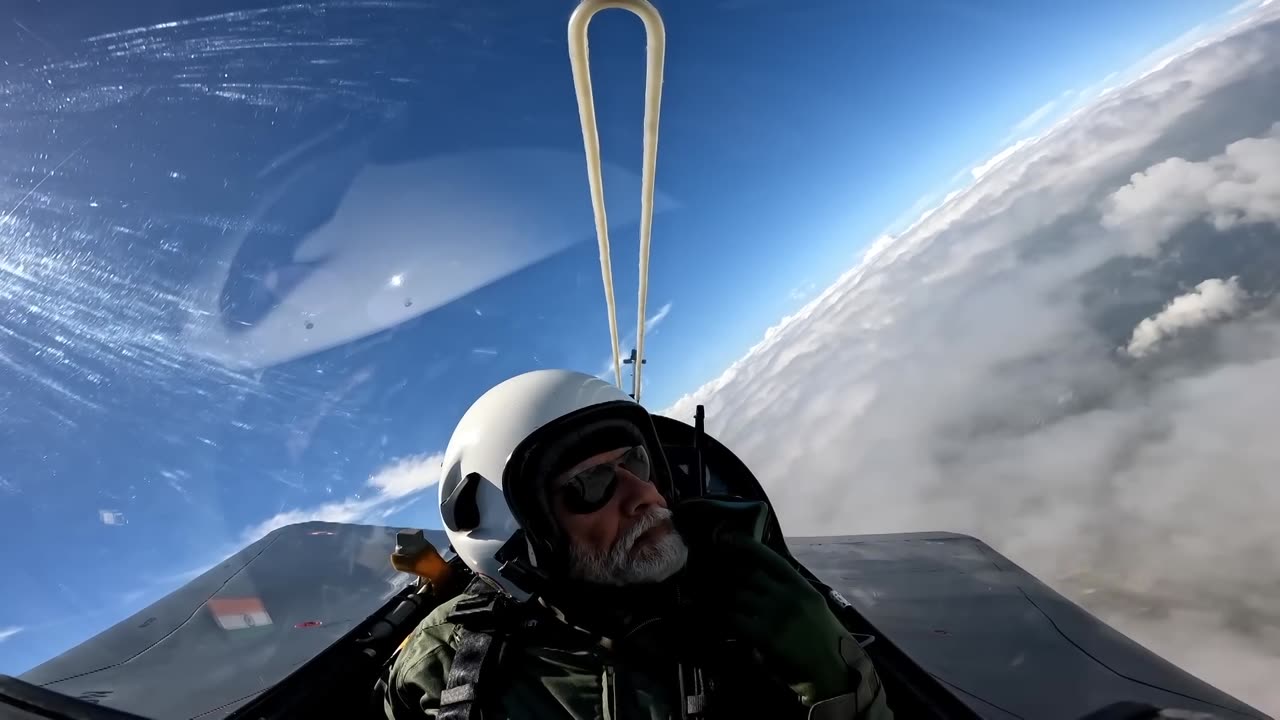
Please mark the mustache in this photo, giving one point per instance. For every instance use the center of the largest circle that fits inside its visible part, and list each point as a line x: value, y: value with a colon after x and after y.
x: 652, y: 519
x: 619, y: 566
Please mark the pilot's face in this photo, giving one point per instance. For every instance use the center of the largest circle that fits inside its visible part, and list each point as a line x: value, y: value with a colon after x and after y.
x: 618, y: 525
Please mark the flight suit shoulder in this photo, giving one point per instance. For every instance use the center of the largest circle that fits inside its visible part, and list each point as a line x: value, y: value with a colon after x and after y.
x: 421, y: 669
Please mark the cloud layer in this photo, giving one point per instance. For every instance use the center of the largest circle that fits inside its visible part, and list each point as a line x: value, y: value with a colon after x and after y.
x: 964, y: 376
x: 1212, y: 299
x: 1239, y: 186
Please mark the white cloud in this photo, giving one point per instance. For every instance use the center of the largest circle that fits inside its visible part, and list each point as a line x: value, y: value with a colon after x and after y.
x: 657, y: 317
x: 963, y: 376
x: 407, y: 476
x: 402, y: 479
x: 8, y: 632
x: 1213, y: 299
x: 998, y: 158
x: 1241, y: 185
x: 879, y: 245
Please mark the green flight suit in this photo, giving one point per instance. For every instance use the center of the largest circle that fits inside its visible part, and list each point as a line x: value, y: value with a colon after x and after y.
x: 593, y: 681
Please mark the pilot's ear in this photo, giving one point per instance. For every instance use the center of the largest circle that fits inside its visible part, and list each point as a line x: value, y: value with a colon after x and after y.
x: 460, y: 511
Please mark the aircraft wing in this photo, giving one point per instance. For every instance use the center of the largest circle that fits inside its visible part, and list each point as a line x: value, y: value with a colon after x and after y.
x: 1000, y: 641
x: 1004, y: 643
x: 241, y: 627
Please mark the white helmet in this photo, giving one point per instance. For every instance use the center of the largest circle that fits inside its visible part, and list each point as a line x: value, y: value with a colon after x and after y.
x: 510, y: 438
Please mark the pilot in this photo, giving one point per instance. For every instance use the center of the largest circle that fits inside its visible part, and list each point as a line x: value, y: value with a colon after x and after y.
x: 593, y: 597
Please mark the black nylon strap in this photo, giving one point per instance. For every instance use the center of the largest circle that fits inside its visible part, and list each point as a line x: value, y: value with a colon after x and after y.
x: 461, y: 697
x: 460, y: 694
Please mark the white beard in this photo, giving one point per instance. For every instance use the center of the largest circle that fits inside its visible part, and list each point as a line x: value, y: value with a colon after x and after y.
x: 619, y: 566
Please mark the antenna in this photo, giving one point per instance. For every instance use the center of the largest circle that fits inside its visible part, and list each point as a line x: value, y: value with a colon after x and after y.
x: 699, y: 443
x: 635, y: 386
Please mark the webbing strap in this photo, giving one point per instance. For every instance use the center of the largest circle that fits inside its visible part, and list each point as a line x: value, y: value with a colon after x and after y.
x: 461, y: 697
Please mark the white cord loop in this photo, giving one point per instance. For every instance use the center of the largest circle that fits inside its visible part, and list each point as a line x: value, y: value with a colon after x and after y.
x: 579, y: 55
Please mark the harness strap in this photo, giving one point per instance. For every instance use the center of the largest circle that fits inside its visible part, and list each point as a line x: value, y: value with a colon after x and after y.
x: 461, y: 699
x: 480, y: 618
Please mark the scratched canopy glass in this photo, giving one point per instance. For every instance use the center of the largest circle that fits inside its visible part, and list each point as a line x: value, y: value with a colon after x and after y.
x: 255, y: 263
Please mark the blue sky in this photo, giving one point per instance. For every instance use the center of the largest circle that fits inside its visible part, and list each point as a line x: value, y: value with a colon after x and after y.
x: 169, y: 193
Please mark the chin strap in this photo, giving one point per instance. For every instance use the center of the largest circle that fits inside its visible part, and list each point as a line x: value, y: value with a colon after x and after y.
x: 579, y: 58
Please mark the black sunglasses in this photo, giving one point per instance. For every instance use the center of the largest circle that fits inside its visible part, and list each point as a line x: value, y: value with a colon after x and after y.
x: 591, y: 489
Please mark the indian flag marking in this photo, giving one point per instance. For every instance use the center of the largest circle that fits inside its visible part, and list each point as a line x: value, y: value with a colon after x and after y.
x: 239, y: 613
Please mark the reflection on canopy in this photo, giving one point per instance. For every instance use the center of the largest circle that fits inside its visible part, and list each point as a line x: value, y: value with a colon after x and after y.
x: 402, y: 240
